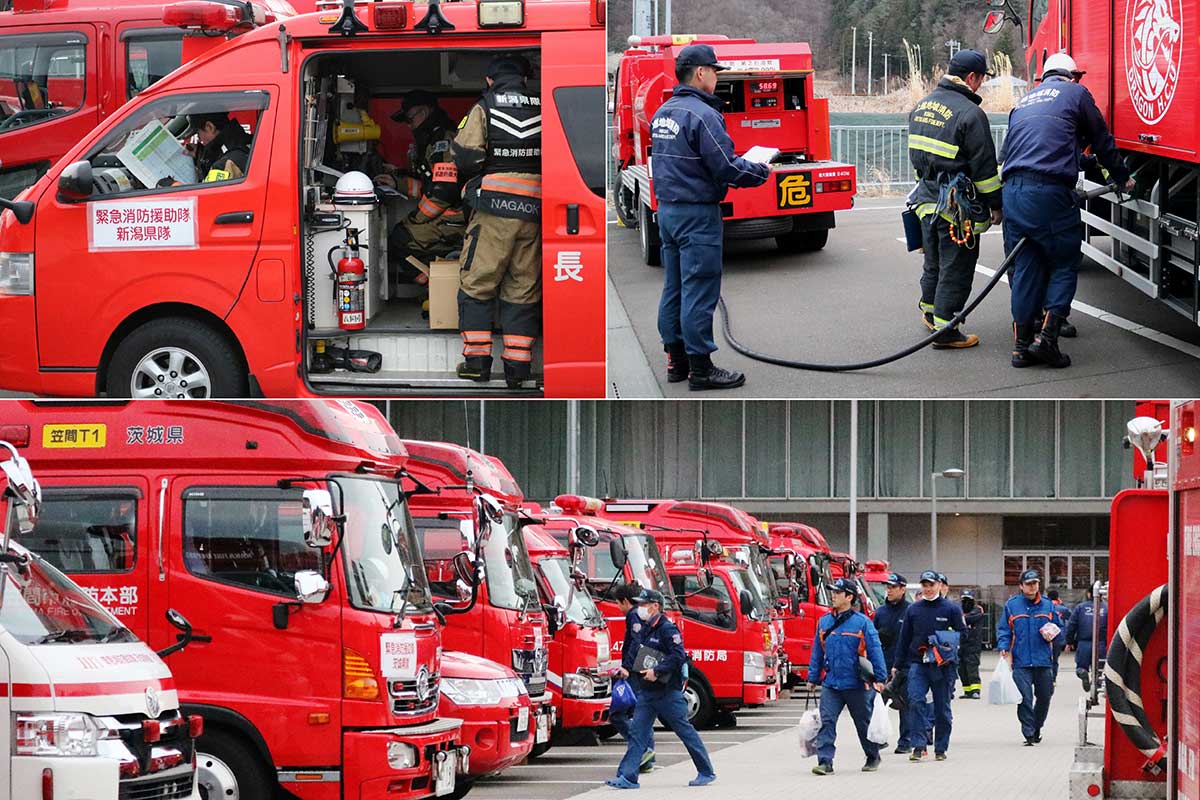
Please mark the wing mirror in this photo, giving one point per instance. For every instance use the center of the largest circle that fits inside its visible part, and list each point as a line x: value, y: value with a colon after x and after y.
x: 586, y: 535
x: 488, y: 511
x: 745, y: 603
x: 75, y: 182
x: 183, y: 639
x: 993, y: 22
x: 464, y: 569
x: 317, y: 517
x: 616, y: 551
x: 311, y: 587
x: 705, y: 576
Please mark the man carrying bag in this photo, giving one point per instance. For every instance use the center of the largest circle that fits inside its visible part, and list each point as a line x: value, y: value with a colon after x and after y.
x: 1025, y: 633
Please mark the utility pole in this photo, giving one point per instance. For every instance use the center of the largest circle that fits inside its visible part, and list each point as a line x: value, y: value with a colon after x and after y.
x: 870, y: 54
x: 667, y: 21
x: 853, y: 57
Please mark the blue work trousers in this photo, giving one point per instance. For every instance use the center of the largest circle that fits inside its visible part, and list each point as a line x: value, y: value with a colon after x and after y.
x: 909, y: 718
x: 671, y: 708
x: 622, y: 720
x: 859, y: 702
x: 691, y: 255
x: 1045, y: 273
x: 924, y: 678
x: 1036, y: 685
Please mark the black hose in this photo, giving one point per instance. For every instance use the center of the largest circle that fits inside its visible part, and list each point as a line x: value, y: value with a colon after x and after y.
x: 1123, y: 676
x: 780, y: 361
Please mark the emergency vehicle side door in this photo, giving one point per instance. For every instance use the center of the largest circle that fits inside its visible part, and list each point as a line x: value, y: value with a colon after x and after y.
x: 122, y: 251
x: 232, y: 551
x: 573, y: 211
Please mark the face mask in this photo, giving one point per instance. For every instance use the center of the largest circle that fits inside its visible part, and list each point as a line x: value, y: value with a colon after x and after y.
x: 643, y: 613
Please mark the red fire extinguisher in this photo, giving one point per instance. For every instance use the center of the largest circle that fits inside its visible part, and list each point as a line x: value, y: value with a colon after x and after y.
x: 351, y: 286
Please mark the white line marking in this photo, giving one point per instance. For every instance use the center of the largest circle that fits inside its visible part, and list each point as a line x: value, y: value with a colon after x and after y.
x: 1119, y: 322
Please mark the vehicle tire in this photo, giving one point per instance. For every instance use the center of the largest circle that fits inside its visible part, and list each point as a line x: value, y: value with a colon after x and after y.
x: 651, y: 244
x: 606, y: 732
x: 802, y: 241
x: 701, y: 705
x: 175, y: 357
x: 227, y: 769
x: 626, y: 210
x: 462, y: 785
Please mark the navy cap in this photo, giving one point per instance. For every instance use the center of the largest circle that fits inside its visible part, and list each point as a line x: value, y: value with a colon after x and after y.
x: 1030, y: 575
x: 845, y: 585
x: 896, y: 579
x: 942, y: 578
x: 514, y: 65
x: 930, y: 576
x: 967, y: 61
x: 968, y: 593
x: 412, y: 99
x: 650, y: 596
x: 698, y: 55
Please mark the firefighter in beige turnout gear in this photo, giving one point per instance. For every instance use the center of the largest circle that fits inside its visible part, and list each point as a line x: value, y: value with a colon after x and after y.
x: 498, y: 152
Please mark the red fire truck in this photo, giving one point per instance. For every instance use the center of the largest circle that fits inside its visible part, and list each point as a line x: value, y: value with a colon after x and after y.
x: 314, y: 646
x: 66, y: 65
x: 809, y: 579
x: 226, y: 287
x: 1142, y: 72
x: 769, y: 101
x: 731, y: 634
x: 580, y: 649
x: 466, y: 503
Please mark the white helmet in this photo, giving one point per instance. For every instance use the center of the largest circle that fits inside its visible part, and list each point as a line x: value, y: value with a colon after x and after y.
x: 355, y: 189
x: 1059, y: 64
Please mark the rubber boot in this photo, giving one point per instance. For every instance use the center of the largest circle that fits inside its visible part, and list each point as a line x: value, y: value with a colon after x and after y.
x: 516, y: 373
x: 1045, y: 343
x: 1068, y: 330
x: 677, y: 363
x: 704, y: 375
x: 475, y: 368
x: 1022, y: 338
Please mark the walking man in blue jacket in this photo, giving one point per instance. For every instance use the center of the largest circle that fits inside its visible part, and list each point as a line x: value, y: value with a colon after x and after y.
x: 627, y: 595
x: 1079, y: 636
x: 1022, y: 638
x: 693, y: 165
x: 660, y: 661
x: 842, y: 636
x: 888, y: 619
x: 927, y: 650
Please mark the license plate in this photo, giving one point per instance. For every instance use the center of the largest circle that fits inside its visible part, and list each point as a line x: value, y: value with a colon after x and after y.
x: 543, y: 728
x: 522, y: 720
x: 771, y: 693
x: 444, y: 775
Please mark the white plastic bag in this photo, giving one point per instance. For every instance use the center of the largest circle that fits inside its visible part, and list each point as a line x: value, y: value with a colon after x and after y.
x: 880, y: 729
x: 809, y: 727
x: 1002, y: 689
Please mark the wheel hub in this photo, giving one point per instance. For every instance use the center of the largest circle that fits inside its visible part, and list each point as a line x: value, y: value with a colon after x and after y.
x: 693, y: 702
x: 215, y: 779
x: 170, y: 373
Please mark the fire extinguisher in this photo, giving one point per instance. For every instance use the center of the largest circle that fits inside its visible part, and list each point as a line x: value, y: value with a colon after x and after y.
x: 350, y: 285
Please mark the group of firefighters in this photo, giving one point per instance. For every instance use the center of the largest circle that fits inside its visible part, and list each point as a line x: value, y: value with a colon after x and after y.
x: 914, y: 652
x: 960, y: 192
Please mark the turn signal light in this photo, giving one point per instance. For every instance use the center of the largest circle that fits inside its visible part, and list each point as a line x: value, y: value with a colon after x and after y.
x: 47, y: 784
x: 195, y: 726
x: 358, y: 680
x: 16, y: 435
x: 1187, y: 421
x: 151, y: 730
x: 832, y: 186
x: 389, y: 16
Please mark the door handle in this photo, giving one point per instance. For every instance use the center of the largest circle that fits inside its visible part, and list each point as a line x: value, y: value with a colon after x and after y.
x: 234, y: 218
x: 572, y: 219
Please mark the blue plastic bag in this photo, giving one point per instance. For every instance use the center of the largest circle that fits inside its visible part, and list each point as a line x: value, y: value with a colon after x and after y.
x: 623, y: 697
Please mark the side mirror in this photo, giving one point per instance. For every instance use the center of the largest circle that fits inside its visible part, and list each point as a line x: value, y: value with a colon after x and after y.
x: 317, y: 517
x: 586, y: 535
x: 487, y: 511
x: 75, y: 182
x: 551, y: 618
x: 311, y: 587
x: 616, y: 551
x: 745, y: 603
x: 178, y: 620
x: 796, y: 610
x: 993, y: 22
x: 184, y: 639
x: 705, y: 576
x: 464, y: 569
x: 22, y: 209
x: 524, y: 587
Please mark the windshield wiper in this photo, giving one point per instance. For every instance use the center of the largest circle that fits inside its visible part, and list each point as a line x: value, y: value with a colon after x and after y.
x: 399, y: 620
x: 69, y: 634
x: 116, y: 634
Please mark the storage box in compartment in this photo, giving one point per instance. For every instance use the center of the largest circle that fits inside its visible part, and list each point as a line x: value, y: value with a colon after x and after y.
x: 443, y: 295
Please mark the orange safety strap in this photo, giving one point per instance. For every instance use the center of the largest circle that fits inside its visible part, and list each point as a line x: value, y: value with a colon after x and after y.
x: 516, y: 355
x: 477, y: 337
x: 429, y: 208
x: 452, y: 214
x: 509, y: 185
x: 513, y: 340
x: 412, y: 186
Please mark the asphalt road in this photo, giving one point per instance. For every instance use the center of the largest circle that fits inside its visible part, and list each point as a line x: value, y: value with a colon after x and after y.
x: 857, y: 299
x: 566, y: 771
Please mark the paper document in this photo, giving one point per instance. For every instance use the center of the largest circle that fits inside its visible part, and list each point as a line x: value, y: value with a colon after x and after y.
x: 153, y: 154
x: 761, y: 155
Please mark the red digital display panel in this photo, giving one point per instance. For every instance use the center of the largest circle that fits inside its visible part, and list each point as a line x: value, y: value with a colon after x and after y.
x: 764, y: 87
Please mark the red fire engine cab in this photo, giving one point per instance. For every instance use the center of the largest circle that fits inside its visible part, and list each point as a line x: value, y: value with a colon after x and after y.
x: 72, y: 63
x: 313, y: 645
x: 466, y: 505
x: 769, y: 101
x: 226, y: 284
x: 1141, y: 69
x: 809, y: 580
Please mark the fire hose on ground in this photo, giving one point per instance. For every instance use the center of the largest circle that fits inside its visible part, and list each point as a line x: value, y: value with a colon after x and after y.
x: 727, y: 325
x: 1123, y: 677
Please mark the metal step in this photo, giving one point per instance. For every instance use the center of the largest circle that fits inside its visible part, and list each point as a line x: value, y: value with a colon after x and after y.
x: 421, y: 383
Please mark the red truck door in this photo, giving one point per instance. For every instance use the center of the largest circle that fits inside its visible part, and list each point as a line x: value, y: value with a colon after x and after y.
x: 206, y: 226
x: 573, y: 212
x: 230, y: 556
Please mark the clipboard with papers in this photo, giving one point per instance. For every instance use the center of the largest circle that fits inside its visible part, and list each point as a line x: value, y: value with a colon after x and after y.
x: 761, y: 155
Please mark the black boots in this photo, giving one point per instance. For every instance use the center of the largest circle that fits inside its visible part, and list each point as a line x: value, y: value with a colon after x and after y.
x: 705, y: 375
x: 677, y: 363
x: 475, y: 368
x: 1044, y: 347
x: 1067, y: 331
x: 516, y: 373
x: 1022, y: 338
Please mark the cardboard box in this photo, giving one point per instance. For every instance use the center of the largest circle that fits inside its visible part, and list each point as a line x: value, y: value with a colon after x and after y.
x: 443, y: 295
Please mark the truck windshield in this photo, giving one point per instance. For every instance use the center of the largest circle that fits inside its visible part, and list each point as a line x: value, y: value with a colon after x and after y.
x: 509, y: 573
x: 41, y: 606
x: 760, y: 572
x: 579, y: 606
x: 383, y: 561
x: 783, y: 583
x: 877, y: 591
x: 742, y: 579
x: 819, y: 567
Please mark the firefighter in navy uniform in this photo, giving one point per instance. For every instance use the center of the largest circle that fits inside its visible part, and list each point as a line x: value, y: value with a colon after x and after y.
x: 1046, y: 132
x: 224, y: 149
x: 971, y: 645
x: 435, y: 227
x: 957, y: 195
x: 498, y: 153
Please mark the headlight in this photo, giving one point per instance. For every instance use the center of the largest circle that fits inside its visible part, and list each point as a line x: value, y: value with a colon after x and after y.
x: 470, y: 692
x: 752, y: 659
x: 754, y: 667
x: 16, y: 273
x: 577, y: 685
x: 401, y: 755
x: 56, y: 734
